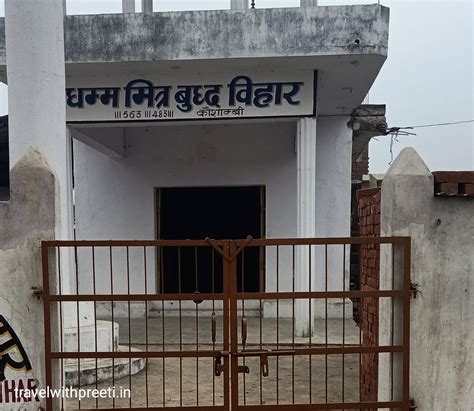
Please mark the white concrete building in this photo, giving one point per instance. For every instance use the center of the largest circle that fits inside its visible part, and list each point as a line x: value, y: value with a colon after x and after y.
x: 264, y: 122
x: 187, y: 125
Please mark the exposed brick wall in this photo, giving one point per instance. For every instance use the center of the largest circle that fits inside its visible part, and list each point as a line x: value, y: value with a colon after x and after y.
x: 360, y: 166
x: 454, y: 183
x: 369, y: 221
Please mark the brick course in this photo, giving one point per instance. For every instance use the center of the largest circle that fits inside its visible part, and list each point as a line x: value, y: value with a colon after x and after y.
x: 360, y: 166
x: 369, y: 219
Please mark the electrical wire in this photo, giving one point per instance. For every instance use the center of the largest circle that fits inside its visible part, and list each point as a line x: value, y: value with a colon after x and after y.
x: 395, y: 132
x: 437, y: 125
x: 393, y: 138
x: 399, y: 130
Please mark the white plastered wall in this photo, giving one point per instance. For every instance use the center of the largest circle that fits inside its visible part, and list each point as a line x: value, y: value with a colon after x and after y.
x: 115, y: 197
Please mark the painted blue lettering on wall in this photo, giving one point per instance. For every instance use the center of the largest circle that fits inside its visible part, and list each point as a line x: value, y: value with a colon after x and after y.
x: 192, y: 96
x: 242, y: 91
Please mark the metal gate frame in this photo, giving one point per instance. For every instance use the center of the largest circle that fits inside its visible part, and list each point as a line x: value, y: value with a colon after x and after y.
x: 236, y: 247
x: 53, y: 299
x: 226, y: 361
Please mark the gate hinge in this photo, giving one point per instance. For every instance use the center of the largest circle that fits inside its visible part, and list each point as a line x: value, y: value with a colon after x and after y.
x: 414, y: 288
x: 412, y: 405
x: 37, y: 292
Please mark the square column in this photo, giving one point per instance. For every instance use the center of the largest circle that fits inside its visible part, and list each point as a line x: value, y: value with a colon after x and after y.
x: 34, y: 41
x: 36, y: 73
x: 147, y: 6
x: 239, y: 4
x: 333, y: 185
x: 308, y: 3
x: 34, y: 34
x: 306, y: 221
x: 128, y: 6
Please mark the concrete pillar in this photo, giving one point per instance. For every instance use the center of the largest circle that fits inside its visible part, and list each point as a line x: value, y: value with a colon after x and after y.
x: 308, y: 3
x: 37, y: 113
x: 442, y: 315
x: 324, y: 206
x: 239, y: 4
x: 32, y: 189
x: 147, y: 6
x: 36, y: 82
x: 407, y: 194
x: 128, y: 6
x: 34, y: 34
x: 333, y: 188
x: 306, y: 225
x: 36, y: 74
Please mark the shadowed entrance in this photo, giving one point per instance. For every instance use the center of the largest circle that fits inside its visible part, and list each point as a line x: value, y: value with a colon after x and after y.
x: 196, y: 213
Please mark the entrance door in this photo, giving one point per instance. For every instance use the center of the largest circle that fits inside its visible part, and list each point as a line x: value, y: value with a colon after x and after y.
x: 194, y: 213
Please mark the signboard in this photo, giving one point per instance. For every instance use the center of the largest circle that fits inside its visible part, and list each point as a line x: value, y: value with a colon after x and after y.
x: 191, y: 97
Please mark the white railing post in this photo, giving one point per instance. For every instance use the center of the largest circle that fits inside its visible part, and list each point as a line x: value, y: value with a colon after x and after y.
x: 128, y: 6
x: 308, y: 3
x: 147, y: 6
x: 239, y: 4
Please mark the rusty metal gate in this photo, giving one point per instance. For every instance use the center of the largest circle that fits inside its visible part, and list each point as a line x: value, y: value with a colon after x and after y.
x: 111, y: 321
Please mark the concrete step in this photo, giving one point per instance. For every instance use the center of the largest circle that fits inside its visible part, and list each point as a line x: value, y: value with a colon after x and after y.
x: 88, y: 372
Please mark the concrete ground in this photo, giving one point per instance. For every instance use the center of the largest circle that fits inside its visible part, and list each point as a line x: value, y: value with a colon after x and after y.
x: 191, y: 382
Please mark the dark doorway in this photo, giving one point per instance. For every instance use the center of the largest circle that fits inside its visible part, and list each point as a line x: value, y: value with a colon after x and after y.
x: 196, y: 213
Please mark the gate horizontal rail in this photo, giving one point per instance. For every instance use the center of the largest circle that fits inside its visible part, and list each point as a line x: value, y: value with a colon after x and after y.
x: 206, y: 341
x: 319, y: 294
x: 206, y: 243
x: 145, y: 354
x: 135, y: 297
x: 240, y: 296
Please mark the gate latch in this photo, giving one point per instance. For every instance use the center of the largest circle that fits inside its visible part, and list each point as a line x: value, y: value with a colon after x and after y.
x: 218, y: 367
x: 414, y: 288
x: 264, y: 364
x: 37, y: 292
x: 243, y: 369
x: 263, y: 359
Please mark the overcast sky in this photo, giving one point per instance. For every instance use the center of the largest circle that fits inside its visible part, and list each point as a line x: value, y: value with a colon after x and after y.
x: 427, y: 78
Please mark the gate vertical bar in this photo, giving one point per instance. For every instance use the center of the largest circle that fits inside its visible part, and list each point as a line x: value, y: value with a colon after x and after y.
x: 406, y: 322
x: 244, y: 320
x: 234, y: 377
x: 47, y: 323
x: 52, y: 320
x: 61, y: 334
x: 225, y: 315
x: 180, y: 331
